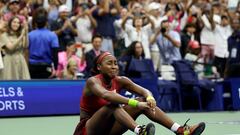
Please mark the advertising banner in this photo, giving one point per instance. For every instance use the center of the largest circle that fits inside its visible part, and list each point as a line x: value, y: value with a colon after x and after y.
x: 43, y: 97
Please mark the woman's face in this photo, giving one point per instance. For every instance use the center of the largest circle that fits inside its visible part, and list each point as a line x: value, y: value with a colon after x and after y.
x: 191, y: 30
x: 109, y: 66
x: 71, y: 49
x: 138, y: 22
x: 138, y: 49
x: 224, y: 21
x: 73, y: 67
x: 15, y: 24
x: 123, y: 12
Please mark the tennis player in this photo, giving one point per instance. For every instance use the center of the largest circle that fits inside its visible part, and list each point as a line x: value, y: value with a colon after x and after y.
x: 103, y: 111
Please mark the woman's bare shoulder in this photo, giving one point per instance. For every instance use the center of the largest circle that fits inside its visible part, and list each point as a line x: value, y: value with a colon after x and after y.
x: 92, y: 80
x: 122, y: 79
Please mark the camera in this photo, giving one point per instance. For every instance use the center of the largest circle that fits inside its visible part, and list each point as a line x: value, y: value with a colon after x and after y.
x: 163, y: 30
x: 137, y: 14
x: 84, y: 6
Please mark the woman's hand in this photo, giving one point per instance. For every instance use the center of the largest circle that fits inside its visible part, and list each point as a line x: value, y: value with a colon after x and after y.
x: 25, y: 26
x: 3, y: 25
x: 152, y: 103
x: 143, y: 106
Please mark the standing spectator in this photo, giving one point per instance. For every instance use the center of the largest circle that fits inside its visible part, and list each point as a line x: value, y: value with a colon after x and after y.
x: 85, y: 24
x: 233, y: 61
x: 105, y: 14
x: 70, y: 53
x: 64, y: 28
x: 155, y: 11
x: 14, y: 7
x: 14, y: 41
x: 121, y: 35
x: 89, y: 56
x: 43, y: 48
x: 207, y: 35
x: 52, y: 9
x: 174, y: 14
x: 169, y: 42
x: 187, y: 35
x: 139, y: 32
x: 222, y: 31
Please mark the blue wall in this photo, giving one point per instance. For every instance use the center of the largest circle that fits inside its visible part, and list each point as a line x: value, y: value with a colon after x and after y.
x: 45, y: 97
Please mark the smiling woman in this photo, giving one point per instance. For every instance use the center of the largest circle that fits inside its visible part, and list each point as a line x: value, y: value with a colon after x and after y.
x: 14, y: 42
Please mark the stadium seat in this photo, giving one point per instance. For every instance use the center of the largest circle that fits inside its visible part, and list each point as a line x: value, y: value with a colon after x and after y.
x: 191, y: 87
x: 169, y: 98
x: 141, y: 69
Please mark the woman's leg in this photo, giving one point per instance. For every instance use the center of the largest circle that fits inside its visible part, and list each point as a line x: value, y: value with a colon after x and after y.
x: 159, y: 117
x: 104, y: 118
x: 119, y: 129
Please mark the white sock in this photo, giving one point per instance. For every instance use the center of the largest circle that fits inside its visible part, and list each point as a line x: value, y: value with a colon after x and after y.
x: 175, y: 127
x: 136, y: 129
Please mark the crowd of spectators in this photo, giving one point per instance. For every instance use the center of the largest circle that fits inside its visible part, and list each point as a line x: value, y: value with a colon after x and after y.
x: 42, y: 39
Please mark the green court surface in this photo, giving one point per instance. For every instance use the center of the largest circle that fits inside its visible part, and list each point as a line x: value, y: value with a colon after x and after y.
x: 217, y: 123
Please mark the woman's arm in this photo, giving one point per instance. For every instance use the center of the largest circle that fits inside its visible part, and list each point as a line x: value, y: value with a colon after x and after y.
x: 172, y: 40
x: 25, y: 36
x: 95, y: 87
x: 124, y: 20
x: 154, y: 36
x: 12, y: 45
x: 91, y: 18
x: 150, y: 21
x: 105, y: 9
x: 133, y: 87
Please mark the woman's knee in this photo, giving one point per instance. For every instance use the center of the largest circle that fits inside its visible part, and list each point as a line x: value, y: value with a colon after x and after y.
x: 141, y: 99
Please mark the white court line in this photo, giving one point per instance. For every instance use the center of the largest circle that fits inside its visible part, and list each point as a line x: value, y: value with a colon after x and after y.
x: 226, y: 122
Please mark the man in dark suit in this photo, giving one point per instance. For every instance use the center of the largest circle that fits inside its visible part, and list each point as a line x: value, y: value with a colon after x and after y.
x: 92, y: 54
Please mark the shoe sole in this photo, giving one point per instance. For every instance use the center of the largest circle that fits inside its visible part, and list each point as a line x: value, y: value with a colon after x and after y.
x: 199, y: 129
x: 150, y: 128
